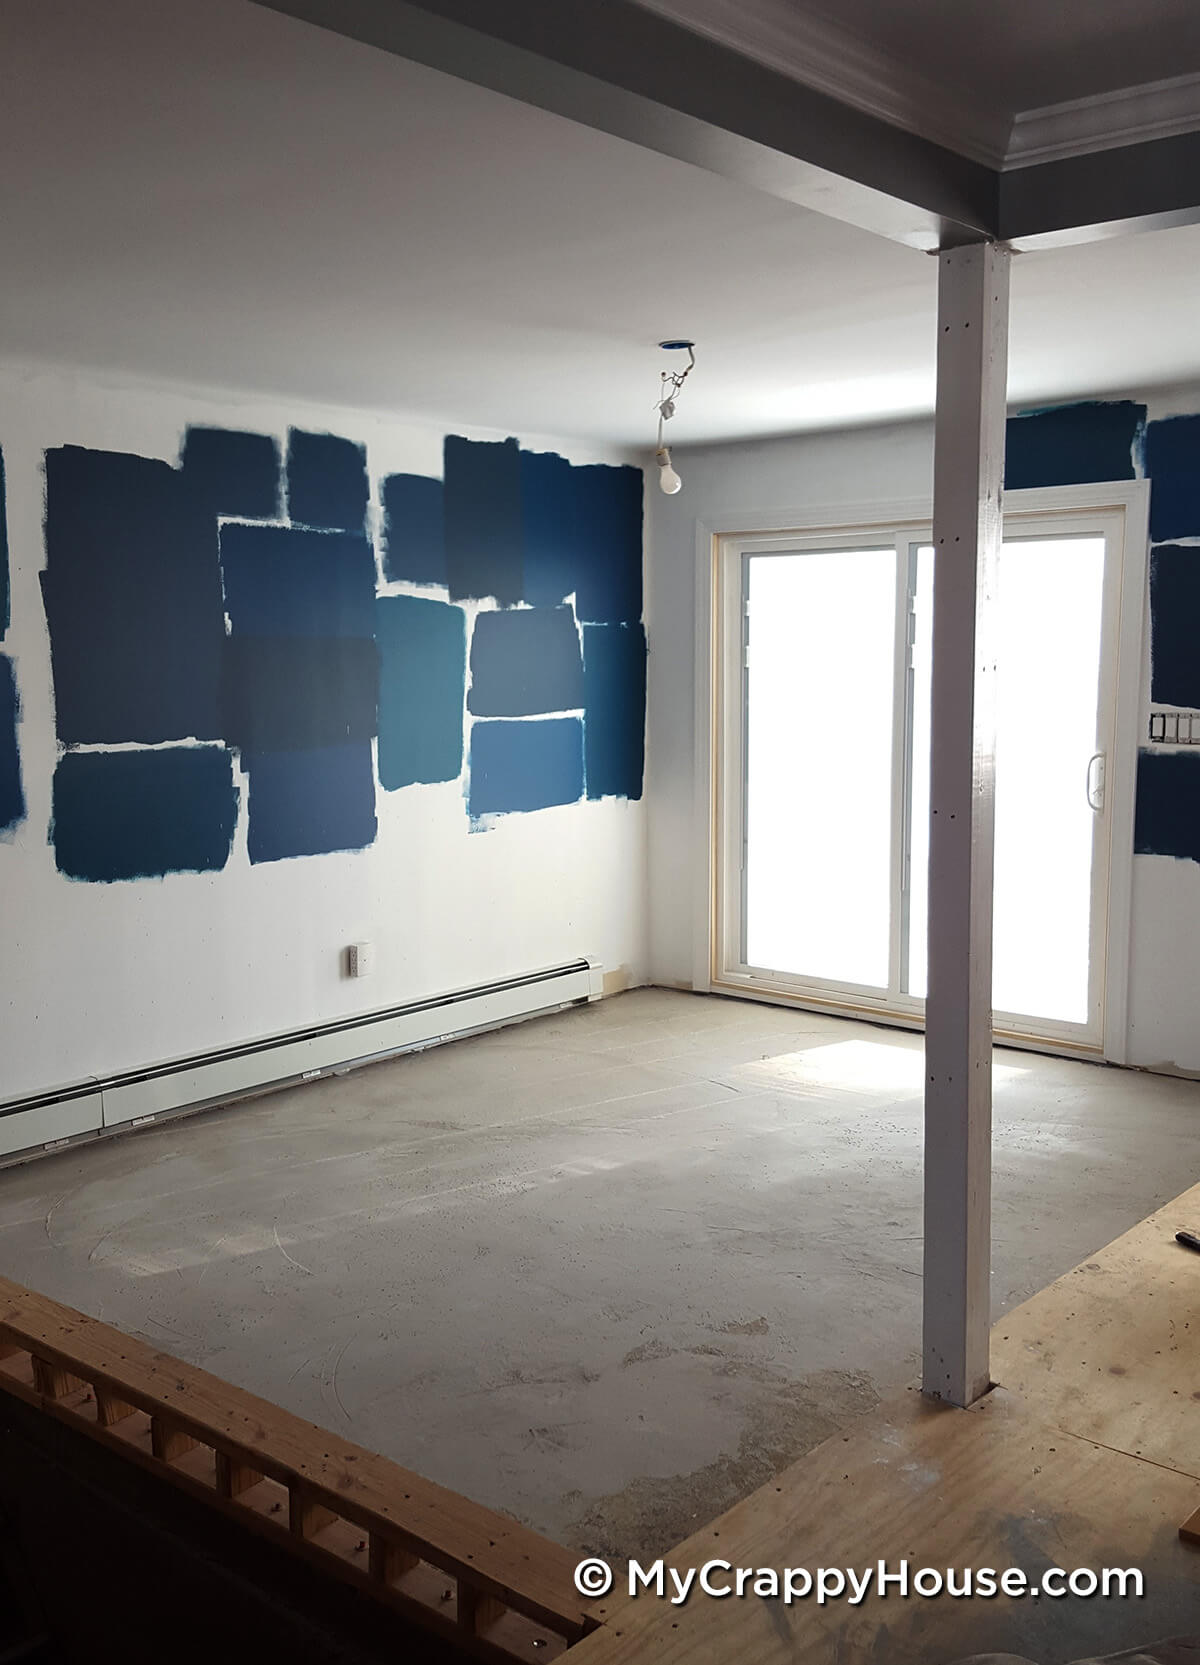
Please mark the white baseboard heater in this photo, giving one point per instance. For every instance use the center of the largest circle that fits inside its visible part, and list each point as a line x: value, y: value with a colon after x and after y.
x: 46, y: 1120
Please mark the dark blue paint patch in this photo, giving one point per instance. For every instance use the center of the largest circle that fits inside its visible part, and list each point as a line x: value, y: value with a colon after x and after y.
x: 485, y: 549
x: 422, y: 675
x: 143, y: 814
x: 299, y: 693
x: 550, y: 505
x: 1072, y: 444
x: 414, y: 529
x: 326, y: 481
x: 1167, y: 819
x: 1173, y: 464
x: 5, y: 610
x: 286, y: 581
x: 133, y: 599
x: 525, y: 765
x: 609, y: 503
x: 614, y: 725
x: 525, y: 662
x: 1175, y: 625
x: 234, y: 473
x: 12, y: 797
x: 311, y: 803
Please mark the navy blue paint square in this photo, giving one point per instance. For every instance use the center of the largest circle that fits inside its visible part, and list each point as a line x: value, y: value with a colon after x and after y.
x: 326, y: 481
x: 1173, y: 464
x: 414, y: 529
x: 517, y: 766
x: 143, y: 814
x: 614, y: 724
x: 1072, y: 444
x: 1167, y: 819
x: 483, y: 522
x: 289, y: 581
x: 132, y: 590
x: 12, y: 797
x: 524, y: 662
x: 550, y: 504
x: 234, y: 473
x: 310, y: 803
x: 609, y: 586
x: 1175, y: 624
x: 300, y: 693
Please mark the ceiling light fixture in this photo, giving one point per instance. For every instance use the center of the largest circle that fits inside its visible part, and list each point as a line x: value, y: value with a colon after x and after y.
x: 672, y: 381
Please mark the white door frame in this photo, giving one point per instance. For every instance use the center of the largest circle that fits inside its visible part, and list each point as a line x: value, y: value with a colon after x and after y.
x: 718, y: 744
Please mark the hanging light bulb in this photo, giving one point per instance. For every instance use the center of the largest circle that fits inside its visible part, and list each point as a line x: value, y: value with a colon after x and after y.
x: 671, y: 381
x: 668, y: 480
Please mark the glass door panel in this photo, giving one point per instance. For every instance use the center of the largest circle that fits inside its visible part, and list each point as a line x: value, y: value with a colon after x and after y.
x: 1050, y: 748
x: 819, y: 681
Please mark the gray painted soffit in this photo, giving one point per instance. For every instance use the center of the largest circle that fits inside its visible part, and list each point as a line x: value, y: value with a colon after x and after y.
x: 617, y: 67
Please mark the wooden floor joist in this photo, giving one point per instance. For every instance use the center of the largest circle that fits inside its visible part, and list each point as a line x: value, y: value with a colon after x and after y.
x: 487, y: 1584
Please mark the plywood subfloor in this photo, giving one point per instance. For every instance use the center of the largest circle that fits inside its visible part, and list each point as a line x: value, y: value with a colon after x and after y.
x: 1044, y: 1472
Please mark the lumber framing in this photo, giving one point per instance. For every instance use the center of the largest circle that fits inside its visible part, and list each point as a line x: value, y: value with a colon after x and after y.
x: 479, y: 1580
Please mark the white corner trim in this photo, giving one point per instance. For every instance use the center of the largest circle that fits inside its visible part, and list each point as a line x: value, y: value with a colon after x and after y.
x: 831, y: 59
x: 1130, y: 115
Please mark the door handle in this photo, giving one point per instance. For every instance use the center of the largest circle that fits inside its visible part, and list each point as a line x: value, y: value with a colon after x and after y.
x: 1095, y: 781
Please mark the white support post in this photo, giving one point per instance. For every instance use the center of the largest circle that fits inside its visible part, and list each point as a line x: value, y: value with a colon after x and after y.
x: 968, y: 474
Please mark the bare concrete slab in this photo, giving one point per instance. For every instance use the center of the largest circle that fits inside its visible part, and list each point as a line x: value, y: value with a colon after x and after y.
x: 608, y: 1270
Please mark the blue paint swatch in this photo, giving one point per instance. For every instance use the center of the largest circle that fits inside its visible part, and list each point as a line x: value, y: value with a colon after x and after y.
x: 143, y: 814
x: 414, y: 529
x: 484, y: 528
x: 133, y: 599
x: 1072, y: 444
x: 1167, y: 819
x: 1175, y: 625
x: 234, y: 473
x: 326, y: 481
x: 525, y: 662
x: 422, y: 674
x: 614, y: 728
x: 12, y: 797
x: 525, y: 765
x: 583, y: 537
x: 310, y: 803
x: 1173, y: 464
x: 287, y: 581
x: 300, y: 692
x: 609, y: 587
x: 550, y: 506
x: 5, y: 612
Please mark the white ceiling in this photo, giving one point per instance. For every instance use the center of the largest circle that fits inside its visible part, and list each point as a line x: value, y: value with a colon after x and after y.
x: 205, y: 191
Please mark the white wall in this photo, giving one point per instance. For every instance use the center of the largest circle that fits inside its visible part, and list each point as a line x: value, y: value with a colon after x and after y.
x: 97, y: 978
x: 850, y: 470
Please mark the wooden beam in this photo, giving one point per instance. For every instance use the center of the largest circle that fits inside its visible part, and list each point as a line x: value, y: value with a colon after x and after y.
x: 1150, y: 186
x: 968, y: 474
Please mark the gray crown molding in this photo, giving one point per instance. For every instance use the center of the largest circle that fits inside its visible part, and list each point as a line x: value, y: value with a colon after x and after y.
x: 833, y: 60
x: 847, y: 67
x: 1130, y: 115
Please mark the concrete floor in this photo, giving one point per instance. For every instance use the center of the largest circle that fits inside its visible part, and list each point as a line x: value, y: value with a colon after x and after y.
x: 608, y: 1270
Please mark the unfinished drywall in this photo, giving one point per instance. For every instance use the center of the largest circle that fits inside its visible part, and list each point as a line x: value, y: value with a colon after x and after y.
x: 280, y: 679
x: 864, y: 471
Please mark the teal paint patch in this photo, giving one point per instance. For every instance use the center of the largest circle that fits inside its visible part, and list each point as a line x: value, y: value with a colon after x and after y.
x: 422, y: 675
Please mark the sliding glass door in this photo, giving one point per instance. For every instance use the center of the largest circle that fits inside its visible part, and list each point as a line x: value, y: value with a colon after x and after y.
x: 826, y: 659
